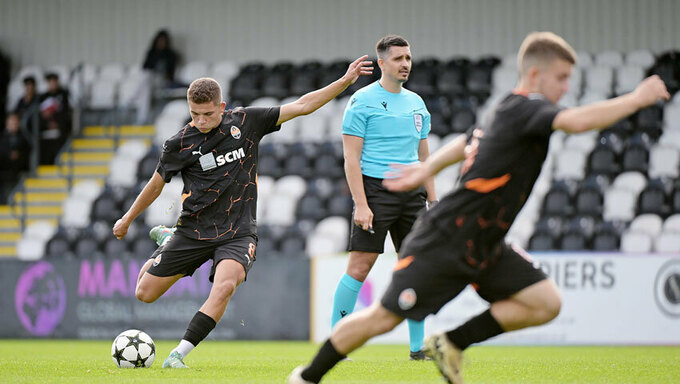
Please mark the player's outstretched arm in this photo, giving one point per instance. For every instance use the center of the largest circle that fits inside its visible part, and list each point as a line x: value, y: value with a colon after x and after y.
x: 605, y: 113
x: 148, y: 195
x: 316, y: 99
x: 408, y: 177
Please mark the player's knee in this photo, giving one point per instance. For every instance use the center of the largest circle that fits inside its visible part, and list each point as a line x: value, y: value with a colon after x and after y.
x: 359, y: 271
x: 144, y: 295
x: 224, y: 289
x: 551, y: 308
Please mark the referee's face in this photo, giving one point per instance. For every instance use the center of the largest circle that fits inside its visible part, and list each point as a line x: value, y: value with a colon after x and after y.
x: 396, y: 66
x: 206, y: 116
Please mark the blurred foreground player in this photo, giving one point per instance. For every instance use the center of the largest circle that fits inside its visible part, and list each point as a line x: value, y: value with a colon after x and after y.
x: 460, y: 241
x: 217, y: 156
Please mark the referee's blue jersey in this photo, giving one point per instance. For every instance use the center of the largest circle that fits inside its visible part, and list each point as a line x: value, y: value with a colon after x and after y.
x: 391, y: 124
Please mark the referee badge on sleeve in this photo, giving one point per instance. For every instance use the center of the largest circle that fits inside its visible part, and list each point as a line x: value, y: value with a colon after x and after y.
x: 418, y: 121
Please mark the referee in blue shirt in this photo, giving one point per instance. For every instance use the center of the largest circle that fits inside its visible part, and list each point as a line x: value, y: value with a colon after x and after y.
x: 383, y: 124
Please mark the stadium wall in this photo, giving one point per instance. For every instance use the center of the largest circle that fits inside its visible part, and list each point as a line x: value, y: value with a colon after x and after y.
x: 94, y: 299
x: 66, y: 32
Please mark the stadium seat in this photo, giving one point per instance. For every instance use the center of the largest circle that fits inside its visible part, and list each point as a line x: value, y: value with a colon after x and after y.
x: 340, y: 205
x: 672, y: 223
x: 609, y: 59
x: 504, y: 79
x: 619, y: 204
x: 653, y: 199
x: 664, y: 161
x: 558, y: 201
x: 584, y: 142
x: 627, y: 78
x: 451, y: 79
x: 602, y: 161
x: 647, y: 223
x: 589, y: 198
x: 165, y: 210
x: 584, y: 59
x: 113, y: 71
x: 293, y: 247
x: 599, y: 79
x: 642, y: 58
x: 633, y: 181
x: 576, y: 82
x: 87, y: 248
x: 570, y: 165
x: 636, y: 242
x: 310, y: 207
x: 636, y: 156
x: 280, y: 209
x: 671, y: 118
x: 541, y: 242
x: 76, y: 213
x: 105, y: 208
x: 305, y: 78
x: 103, y: 94
x: 58, y: 248
x: 667, y: 242
x: 329, y: 165
x: 462, y: 120
x: 592, y: 96
x: 606, y: 238
x: 192, y: 71
x: 143, y: 247
x: 114, y: 248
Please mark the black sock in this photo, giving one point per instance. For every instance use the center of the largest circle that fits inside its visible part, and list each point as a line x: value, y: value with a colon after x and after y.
x: 198, y: 328
x: 477, y: 329
x: 324, y: 360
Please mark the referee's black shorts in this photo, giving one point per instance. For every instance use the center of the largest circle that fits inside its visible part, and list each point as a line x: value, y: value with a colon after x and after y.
x: 183, y: 255
x: 392, y: 211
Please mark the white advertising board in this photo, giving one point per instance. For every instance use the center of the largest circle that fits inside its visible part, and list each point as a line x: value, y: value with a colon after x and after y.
x: 607, y: 299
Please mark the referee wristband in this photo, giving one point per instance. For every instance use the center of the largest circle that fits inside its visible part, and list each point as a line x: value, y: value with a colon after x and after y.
x: 431, y: 204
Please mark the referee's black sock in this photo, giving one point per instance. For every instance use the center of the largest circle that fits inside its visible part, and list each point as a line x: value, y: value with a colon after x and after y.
x: 477, y: 329
x: 324, y: 360
x: 199, y: 327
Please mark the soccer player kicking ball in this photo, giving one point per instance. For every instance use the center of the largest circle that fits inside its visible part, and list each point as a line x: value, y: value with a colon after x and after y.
x: 217, y: 156
x: 460, y: 241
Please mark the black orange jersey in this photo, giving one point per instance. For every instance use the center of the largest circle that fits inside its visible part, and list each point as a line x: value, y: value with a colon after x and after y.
x: 503, y: 159
x: 219, y: 170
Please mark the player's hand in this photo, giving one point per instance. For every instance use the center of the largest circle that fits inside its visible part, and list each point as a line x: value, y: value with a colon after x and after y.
x: 405, y: 177
x: 650, y: 90
x: 120, y: 229
x: 363, y: 217
x: 359, y: 67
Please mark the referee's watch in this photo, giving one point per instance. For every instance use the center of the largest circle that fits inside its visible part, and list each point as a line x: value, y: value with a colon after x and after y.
x: 431, y: 204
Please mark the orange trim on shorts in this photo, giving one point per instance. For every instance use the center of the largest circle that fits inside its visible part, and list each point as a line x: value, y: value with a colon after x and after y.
x: 185, y: 195
x: 487, y: 185
x: 403, y: 263
x: 475, y: 286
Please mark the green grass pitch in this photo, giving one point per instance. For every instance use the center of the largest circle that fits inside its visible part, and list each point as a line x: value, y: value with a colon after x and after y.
x: 65, y: 361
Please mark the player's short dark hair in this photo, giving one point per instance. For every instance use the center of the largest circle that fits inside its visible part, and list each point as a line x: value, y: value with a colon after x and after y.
x: 204, y: 90
x: 52, y: 76
x: 541, y: 48
x: 388, y: 41
x: 29, y: 80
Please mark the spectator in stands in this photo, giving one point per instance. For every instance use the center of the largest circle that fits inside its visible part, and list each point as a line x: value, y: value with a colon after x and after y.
x: 55, y: 116
x: 14, y: 153
x: 162, y: 59
x: 30, y: 97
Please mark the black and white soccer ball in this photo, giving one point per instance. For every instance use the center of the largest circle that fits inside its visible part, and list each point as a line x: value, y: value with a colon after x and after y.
x: 133, y: 349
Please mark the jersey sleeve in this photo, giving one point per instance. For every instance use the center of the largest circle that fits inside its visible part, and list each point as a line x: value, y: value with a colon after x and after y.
x: 541, y: 114
x: 354, y: 119
x: 427, y: 125
x: 170, y: 162
x: 263, y: 119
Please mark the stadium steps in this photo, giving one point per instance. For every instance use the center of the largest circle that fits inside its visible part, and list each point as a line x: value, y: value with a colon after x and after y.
x: 42, y: 197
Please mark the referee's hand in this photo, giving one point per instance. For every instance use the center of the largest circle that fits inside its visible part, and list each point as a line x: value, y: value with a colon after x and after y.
x: 363, y: 217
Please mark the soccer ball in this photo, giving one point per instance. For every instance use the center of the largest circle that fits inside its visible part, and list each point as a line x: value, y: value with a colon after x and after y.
x: 133, y: 349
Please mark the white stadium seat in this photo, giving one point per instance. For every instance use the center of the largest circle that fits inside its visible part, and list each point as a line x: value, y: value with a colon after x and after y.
x: 650, y: 224
x: 636, y: 242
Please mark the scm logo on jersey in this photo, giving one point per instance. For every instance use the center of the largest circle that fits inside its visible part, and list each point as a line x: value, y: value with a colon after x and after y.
x: 230, y: 156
